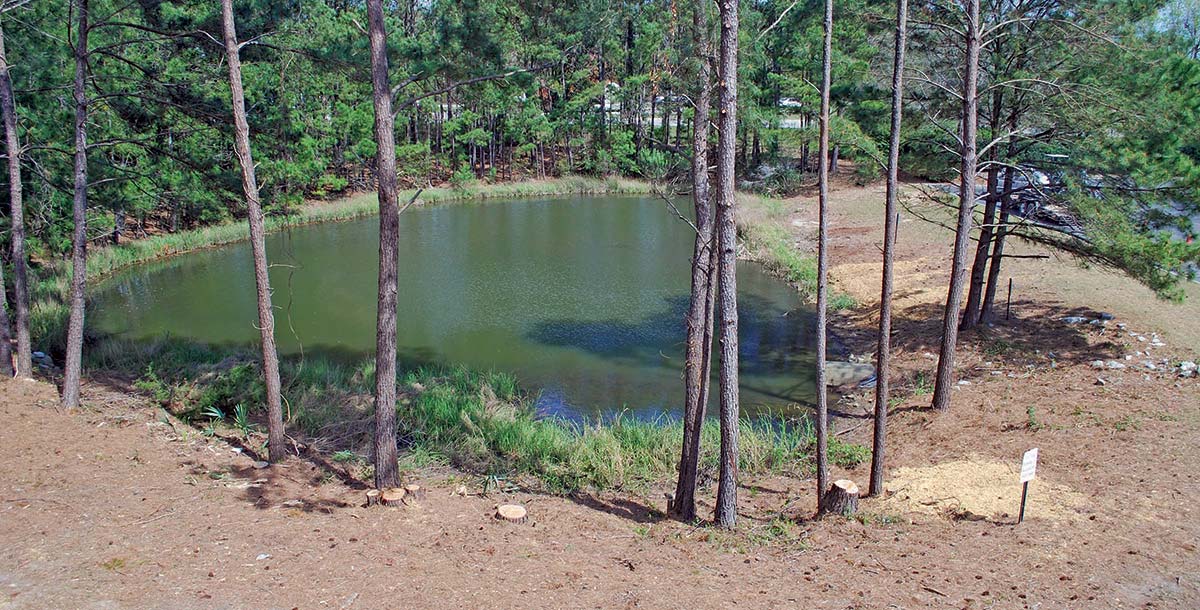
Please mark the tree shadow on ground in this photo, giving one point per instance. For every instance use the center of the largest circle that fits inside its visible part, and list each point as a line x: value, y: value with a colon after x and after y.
x: 1036, y: 331
x: 287, y: 485
x: 624, y: 508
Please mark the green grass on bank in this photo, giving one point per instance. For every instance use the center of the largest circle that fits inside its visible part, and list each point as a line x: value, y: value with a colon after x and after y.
x: 476, y: 421
x: 769, y: 241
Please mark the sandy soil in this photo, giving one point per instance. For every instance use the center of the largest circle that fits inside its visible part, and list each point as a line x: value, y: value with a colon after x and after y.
x: 114, y: 507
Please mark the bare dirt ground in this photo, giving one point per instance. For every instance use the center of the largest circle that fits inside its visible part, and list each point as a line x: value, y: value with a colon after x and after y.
x: 113, y: 507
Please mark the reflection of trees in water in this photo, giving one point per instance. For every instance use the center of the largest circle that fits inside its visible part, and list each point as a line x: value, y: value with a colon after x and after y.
x: 772, y: 340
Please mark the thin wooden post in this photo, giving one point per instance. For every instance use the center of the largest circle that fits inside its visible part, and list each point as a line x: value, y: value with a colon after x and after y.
x: 1008, y: 305
x: 1024, y: 495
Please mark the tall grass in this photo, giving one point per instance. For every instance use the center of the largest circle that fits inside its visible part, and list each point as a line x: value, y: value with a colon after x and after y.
x: 477, y: 421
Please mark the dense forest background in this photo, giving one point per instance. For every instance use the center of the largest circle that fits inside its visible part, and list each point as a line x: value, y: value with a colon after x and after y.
x: 1103, y: 97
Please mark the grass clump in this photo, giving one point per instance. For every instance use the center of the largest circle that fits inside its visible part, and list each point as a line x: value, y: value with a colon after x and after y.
x: 479, y: 423
x: 476, y: 421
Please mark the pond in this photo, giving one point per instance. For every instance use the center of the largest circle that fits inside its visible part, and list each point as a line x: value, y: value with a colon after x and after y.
x: 581, y: 298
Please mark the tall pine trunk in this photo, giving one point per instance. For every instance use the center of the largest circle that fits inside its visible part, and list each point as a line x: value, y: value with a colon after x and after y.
x: 700, y: 316
x: 883, y: 356
x: 823, y: 163
x: 262, y: 282
x: 73, y: 365
x: 386, y: 471
x: 17, y: 216
x: 726, y: 513
x: 943, y: 384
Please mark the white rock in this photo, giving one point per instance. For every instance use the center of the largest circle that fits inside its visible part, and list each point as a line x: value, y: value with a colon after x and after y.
x: 1097, y: 364
x: 1149, y: 365
x: 262, y: 556
x: 1187, y: 365
x: 1113, y: 364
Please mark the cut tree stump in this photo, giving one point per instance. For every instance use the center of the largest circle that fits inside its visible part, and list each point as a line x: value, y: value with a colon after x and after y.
x: 841, y: 499
x: 511, y: 513
x: 392, y: 496
x: 372, y: 497
x: 413, y: 493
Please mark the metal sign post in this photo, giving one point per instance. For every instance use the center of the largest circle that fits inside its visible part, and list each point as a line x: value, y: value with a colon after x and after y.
x: 1028, y: 473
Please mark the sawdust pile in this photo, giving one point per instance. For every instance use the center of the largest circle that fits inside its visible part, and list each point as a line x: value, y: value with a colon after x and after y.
x: 917, y: 282
x: 979, y: 489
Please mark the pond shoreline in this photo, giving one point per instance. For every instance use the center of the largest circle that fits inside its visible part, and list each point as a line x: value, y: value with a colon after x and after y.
x: 190, y: 380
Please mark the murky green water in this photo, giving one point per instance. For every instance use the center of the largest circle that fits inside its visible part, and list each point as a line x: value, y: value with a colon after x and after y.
x: 581, y: 298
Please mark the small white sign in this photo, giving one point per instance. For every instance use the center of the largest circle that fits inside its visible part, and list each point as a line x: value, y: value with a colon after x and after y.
x: 1029, y: 466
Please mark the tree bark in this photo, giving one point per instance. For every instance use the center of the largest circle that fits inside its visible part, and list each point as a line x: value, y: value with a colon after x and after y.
x: 73, y: 365
x: 823, y: 163
x: 8, y: 111
x: 262, y: 282
x: 883, y: 356
x: 966, y: 202
x: 699, y: 319
x: 726, y: 512
x: 841, y: 499
x: 386, y: 471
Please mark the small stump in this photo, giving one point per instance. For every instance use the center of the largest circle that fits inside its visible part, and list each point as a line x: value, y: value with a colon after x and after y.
x: 841, y: 499
x: 392, y: 496
x: 511, y: 513
x: 413, y: 493
x: 373, y: 497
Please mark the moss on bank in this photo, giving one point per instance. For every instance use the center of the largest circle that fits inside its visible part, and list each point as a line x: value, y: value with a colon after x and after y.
x: 476, y: 421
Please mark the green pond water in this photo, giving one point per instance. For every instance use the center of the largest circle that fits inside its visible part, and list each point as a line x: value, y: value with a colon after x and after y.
x: 581, y: 298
